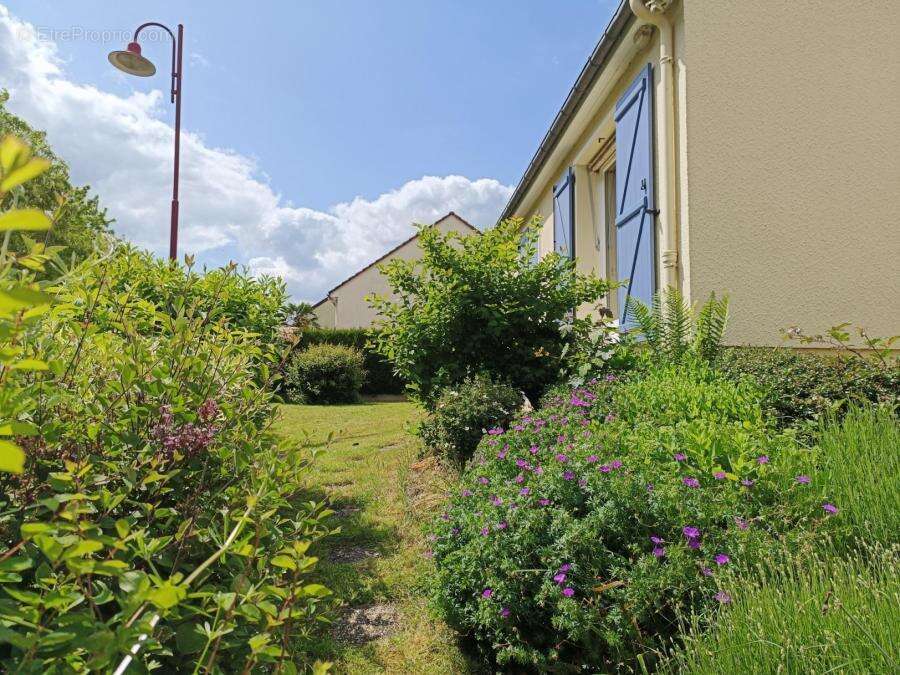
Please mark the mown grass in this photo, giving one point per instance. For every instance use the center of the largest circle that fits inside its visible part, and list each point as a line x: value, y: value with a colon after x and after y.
x: 815, y: 616
x: 370, y: 473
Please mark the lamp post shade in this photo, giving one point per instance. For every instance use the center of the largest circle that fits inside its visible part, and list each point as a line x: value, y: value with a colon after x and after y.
x: 132, y: 62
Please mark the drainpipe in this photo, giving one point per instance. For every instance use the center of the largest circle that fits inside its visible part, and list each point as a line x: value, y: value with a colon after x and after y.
x: 653, y: 12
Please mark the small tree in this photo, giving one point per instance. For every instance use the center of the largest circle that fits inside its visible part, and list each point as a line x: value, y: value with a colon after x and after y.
x: 480, y: 304
x: 300, y: 315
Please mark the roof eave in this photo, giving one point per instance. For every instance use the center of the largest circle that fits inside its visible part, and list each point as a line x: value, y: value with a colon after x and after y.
x: 615, y: 30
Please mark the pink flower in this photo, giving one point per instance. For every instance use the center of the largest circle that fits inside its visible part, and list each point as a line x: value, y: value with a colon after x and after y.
x: 559, y: 578
x: 466, y: 493
x: 616, y: 464
x: 691, y: 482
x: 525, y: 491
x: 591, y: 459
x: 568, y: 591
x: 659, y: 551
x: 605, y: 468
x: 496, y: 501
x: 568, y: 475
x: 680, y: 457
x: 486, y: 593
x: 741, y: 523
x: 483, y: 480
x: 723, y: 597
x: 719, y: 475
x: 560, y: 457
x: 830, y: 509
x: 722, y: 559
x: 802, y: 479
x: 763, y: 459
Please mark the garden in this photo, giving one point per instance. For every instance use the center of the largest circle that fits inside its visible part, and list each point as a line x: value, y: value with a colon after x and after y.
x: 186, y: 485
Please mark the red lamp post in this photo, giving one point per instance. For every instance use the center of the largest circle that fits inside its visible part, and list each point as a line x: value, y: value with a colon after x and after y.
x: 132, y: 62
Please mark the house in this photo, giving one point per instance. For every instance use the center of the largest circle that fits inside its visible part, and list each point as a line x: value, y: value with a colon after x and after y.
x: 345, y: 306
x: 739, y: 147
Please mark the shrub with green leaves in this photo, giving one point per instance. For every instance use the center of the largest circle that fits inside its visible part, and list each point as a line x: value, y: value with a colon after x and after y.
x: 380, y: 377
x: 581, y: 531
x: 150, y: 514
x: 480, y: 304
x: 802, y: 386
x: 325, y: 373
x: 463, y: 414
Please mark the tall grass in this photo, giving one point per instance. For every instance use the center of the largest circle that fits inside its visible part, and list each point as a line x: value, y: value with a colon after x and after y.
x: 817, y: 615
x: 859, y: 472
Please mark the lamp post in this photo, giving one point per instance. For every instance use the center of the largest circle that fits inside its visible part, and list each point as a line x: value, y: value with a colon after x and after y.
x: 132, y: 62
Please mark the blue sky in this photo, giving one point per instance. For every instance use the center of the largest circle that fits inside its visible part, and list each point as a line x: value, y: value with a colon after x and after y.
x: 331, y: 106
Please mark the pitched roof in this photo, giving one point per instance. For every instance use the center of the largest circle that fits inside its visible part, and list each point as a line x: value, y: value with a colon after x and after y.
x: 397, y: 248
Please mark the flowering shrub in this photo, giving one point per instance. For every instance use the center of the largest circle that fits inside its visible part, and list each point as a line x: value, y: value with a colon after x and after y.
x: 325, y: 373
x: 579, y: 532
x: 150, y: 516
x: 464, y: 414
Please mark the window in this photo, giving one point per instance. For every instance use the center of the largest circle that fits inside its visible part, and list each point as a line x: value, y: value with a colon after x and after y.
x: 564, y: 215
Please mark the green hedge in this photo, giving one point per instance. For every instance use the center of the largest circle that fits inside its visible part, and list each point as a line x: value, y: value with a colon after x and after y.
x: 380, y: 377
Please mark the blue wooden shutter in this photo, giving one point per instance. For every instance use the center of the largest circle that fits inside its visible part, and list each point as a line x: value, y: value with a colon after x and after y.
x: 635, y: 258
x: 564, y: 215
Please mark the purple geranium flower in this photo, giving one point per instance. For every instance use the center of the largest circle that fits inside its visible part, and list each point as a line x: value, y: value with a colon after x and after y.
x: 565, y: 567
x: 534, y: 449
x: 544, y: 502
x: 525, y: 491
x: 501, y: 454
x: 616, y: 464
x: 722, y: 559
x: 707, y: 572
x: 496, y: 501
x: 504, y: 613
x: 741, y: 523
x: 560, y: 578
x: 723, y: 597
x: 830, y: 509
x: 719, y: 475
x: 502, y: 525
x: 592, y: 459
x: 496, y: 431
x: 659, y: 551
x: 486, y: 593
x: 520, y: 478
x: 568, y: 475
x: 763, y: 459
x: 656, y: 540
x: 483, y: 480
x: 691, y: 482
x: 690, y: 532
x: 521, y: 463
x: 466, y: 493
x: 568, y: 591
x: 560, y: 457
x: 803, y: 479
x: 485, y: 531
x: 747, y: 483
x: 680, y: 457
x: 605, y: 468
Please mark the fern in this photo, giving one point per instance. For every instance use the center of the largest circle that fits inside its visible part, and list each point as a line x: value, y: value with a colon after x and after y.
x: 673, y: 329
x: 709, y: 328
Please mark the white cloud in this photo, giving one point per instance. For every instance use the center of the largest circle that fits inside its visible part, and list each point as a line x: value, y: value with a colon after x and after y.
x: 123, y: 149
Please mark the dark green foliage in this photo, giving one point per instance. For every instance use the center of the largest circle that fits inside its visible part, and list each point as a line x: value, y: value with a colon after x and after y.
x: 80, y: 222
x: 480, y: 304
x: 325, y: 373
x: 801, y: 386
x: 463, y: 414
x: 380, y: 377
x: 569, y: 496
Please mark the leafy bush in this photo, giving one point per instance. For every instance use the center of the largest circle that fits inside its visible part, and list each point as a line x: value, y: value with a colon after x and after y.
x: 463, y: 414
x: 580, y: 533
x: 243, y: 302
x: 479, y: 304
x: 801, y: 386
x: 325, y: 373
x: 151, y: 512
x: 673, y: 329
x: 380, y: 377
x: 813, y: 616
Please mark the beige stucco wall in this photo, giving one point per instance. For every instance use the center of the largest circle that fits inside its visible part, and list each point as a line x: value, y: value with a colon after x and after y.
x: 793, y: 129
x: 347, y: 306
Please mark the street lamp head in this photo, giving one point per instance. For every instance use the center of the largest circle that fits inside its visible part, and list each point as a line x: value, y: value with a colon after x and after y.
x: 130, y: 61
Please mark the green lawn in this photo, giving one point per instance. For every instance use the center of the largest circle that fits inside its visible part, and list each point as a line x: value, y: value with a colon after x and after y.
x: 382, y: 493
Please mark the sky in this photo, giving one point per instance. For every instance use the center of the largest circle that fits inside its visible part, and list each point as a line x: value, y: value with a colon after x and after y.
x: 314, y: 133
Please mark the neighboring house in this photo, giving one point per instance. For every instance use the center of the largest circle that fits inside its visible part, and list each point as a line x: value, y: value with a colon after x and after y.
x: 345, y: 306
x: 751, y: 148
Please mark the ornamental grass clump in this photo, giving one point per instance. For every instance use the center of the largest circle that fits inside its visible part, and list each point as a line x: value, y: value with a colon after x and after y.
x: 596, y: 519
